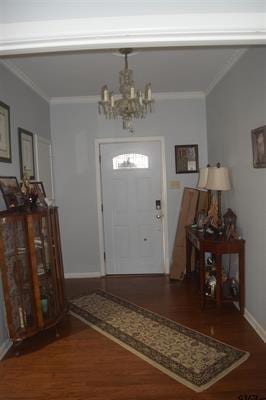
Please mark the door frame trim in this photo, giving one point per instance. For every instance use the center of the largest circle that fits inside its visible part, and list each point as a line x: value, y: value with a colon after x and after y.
x: 40, y: 139
x: 98, y: 142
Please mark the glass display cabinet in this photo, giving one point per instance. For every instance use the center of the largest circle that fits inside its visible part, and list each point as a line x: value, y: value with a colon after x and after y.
x: 32, y: 271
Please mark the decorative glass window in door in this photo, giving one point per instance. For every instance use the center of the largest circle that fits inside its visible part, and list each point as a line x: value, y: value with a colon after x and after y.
x: 130, y: 161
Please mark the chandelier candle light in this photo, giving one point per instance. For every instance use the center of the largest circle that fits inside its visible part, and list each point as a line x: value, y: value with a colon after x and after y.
x: 132, y: 105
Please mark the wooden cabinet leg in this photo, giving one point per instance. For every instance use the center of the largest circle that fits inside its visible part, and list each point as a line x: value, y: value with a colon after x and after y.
x: 17, y: 348
x: 188, y: 259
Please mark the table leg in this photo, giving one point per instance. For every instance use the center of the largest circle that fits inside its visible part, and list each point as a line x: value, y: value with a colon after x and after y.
x: 188, y: 258
x: 218, y: 260
x: 196, y: 259
x: 202, y: 277
x: 241, y: 261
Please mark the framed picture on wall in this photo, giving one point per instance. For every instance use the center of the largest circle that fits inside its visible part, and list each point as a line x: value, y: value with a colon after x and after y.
x: 258, y: 137
x: 26, y: 153
x: 5, y: 136
x: 186, y: 159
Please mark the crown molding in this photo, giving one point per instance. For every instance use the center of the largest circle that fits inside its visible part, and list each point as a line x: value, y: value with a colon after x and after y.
x: 178, y: 95
x: 75, y: 100
x: 156, y: 96
x: 94, y: 99
x: 225, y: 69
x: 91, y: 99
x: 184, y: 29
x: 24, y: 78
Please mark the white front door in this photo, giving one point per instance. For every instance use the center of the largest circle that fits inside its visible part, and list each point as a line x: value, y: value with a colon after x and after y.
x: 131, y: 185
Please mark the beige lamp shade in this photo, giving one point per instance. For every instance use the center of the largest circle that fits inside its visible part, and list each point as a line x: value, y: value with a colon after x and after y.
x: 203, y: 177
x: 218, y: 179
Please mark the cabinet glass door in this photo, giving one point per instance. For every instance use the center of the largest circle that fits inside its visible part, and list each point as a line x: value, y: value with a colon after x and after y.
x: 45, y: 270
x: 17, y: 275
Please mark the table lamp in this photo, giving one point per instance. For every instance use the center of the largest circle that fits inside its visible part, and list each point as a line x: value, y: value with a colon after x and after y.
x: 203, y: 177
x: 202, y: 182
x: 218, y: 180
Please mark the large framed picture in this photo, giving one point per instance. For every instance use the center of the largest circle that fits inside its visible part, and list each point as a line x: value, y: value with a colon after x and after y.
x: 186, y: 159
x: 5, y: 136
x: 26, y: 152
x: 258, y: 137
x: 11, y: 192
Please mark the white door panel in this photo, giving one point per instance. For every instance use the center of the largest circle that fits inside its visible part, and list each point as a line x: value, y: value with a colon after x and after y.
x: 132, y: 233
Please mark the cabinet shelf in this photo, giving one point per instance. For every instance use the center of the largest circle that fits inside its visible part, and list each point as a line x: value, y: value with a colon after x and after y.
x: 217, y: 245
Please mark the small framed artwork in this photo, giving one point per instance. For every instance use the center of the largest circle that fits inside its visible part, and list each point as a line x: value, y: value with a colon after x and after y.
x: 11, y: 192
x: 26, y: 153
x: 5, y: 136
x: 38, y: 189
x: 258, y: 137
x: 186, y: 159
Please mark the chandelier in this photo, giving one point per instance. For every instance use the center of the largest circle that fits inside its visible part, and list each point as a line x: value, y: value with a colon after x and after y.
x: 132, y: 104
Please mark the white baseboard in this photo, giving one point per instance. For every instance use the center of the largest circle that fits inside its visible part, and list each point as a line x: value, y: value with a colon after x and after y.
x: 79, y: 275
x: 254, y: 323
x: 4, y: 348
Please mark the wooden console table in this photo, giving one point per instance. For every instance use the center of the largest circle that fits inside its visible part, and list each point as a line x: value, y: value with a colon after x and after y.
x: 217, y: 245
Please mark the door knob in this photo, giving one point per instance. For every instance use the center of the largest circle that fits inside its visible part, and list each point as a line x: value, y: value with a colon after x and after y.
x: 158, y: 216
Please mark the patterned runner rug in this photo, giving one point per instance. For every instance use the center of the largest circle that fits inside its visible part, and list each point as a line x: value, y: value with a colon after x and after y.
x: 194, y: 359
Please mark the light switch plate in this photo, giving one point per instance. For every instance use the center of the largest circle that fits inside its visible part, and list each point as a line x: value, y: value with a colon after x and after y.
x: 174, y: 184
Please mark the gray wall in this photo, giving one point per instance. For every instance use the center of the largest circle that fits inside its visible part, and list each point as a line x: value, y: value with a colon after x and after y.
x: 74, y: 129
x: 29, y: 111
x: 235, y: 106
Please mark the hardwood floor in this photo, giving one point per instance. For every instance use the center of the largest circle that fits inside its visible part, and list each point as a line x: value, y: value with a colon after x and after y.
x: 83, y: 364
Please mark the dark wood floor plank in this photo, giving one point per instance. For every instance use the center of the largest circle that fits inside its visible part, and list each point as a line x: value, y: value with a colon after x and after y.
x: 84, y: 365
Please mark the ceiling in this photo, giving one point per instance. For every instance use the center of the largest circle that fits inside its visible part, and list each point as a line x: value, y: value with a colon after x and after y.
x: 84, y: 73
x: 31, y: 10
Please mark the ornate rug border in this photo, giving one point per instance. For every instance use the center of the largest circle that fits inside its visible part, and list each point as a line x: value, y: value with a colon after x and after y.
x: 163, y: 318
x: 171, y: 324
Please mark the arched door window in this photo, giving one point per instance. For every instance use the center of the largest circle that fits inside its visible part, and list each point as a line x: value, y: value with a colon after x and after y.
x: 130, y: 161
